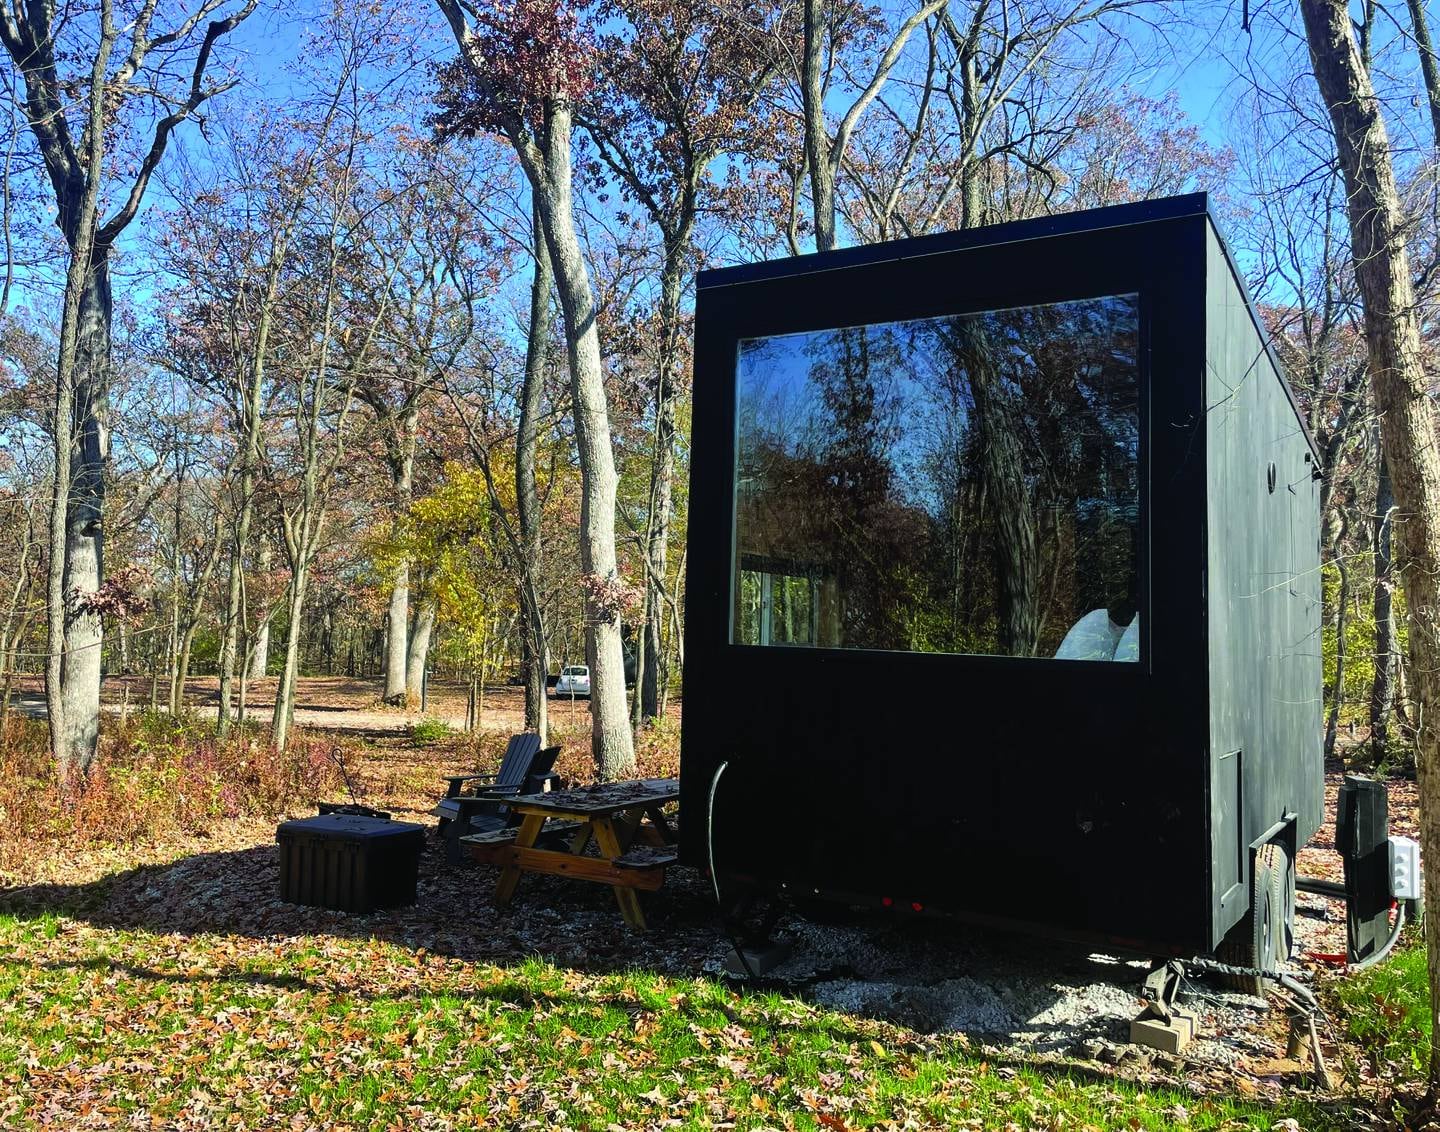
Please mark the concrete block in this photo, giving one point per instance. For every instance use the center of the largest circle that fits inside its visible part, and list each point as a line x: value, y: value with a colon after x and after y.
x: 1168, y: 1037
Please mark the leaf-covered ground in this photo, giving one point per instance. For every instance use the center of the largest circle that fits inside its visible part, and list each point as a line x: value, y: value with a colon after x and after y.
x: 103, y: 1027
x: 164, y: 984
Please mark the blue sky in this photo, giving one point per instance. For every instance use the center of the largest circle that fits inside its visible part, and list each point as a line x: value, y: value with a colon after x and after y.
x: 1200, y: 58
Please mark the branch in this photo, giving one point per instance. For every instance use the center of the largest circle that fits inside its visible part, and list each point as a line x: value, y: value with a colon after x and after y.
x: 112, y: 228
x: 141, y: 47
x: 882, y: 72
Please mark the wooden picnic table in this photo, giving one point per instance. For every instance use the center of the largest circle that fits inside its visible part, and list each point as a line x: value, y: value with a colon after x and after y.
x: 632, y: 852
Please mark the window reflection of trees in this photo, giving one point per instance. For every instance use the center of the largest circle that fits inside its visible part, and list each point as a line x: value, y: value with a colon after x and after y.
x: 965, y: 484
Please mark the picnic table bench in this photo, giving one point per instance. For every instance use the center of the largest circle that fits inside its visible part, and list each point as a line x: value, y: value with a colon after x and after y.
x: 633, y: 837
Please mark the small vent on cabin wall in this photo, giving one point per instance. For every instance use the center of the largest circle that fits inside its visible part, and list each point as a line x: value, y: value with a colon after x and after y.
x: 1270, y: 478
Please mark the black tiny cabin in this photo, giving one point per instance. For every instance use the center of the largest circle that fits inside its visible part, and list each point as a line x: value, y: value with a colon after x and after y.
x: 1004, y: 590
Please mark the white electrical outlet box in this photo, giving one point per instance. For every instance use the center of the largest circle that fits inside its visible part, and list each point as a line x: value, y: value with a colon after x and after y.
x: 1404, y: 868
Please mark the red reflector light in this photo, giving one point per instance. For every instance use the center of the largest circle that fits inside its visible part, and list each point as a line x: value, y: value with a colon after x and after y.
x: 885, y: 901
x: 917, y: 907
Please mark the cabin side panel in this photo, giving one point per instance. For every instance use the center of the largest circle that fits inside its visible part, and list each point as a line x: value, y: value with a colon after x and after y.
x: 1263, y: 587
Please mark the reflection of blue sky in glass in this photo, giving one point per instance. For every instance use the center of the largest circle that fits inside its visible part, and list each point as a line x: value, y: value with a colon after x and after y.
x: 781, y: 403
x: 874, y: 456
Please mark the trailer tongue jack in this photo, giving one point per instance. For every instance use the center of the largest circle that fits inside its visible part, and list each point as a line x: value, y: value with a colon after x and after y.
x: 1162, y: 1025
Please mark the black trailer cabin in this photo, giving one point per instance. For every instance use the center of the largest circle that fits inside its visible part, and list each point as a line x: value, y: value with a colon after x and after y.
x: 1004, y: 592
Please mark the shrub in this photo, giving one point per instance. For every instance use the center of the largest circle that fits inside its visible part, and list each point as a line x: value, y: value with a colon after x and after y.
x: 154, y: 776
x: 429, y: 730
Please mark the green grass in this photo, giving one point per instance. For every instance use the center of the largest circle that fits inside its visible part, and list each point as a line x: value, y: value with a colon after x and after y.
x: 1387, y: 1010
x: 117, y: 1026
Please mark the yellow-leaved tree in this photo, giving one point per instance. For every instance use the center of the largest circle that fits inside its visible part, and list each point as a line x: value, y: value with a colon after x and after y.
x: 453, y: 542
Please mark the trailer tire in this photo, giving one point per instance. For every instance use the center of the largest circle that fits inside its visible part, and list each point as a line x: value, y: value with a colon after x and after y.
x: 1284, y: 904
x: 1253, y: 941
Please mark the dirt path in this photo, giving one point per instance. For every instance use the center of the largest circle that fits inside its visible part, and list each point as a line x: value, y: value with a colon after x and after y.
x: 334, y: 703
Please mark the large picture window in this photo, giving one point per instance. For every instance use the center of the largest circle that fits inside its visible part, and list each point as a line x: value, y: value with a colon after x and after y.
x: 967, y: 484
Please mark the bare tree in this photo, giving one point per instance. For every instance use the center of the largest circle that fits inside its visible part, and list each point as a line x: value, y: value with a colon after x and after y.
x: 124, y: 73
x: 335, y: 339
x: 528, y: 98
x: 828, y: 30
x: 678, y: 85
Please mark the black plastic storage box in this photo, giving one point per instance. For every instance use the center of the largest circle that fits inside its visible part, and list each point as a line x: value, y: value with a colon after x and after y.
x: 348, y: 862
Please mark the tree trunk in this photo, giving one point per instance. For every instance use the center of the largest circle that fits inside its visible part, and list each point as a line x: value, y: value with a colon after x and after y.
x: 817, y: 133
x: 16, y: 614
x: 1018, y: 557
x: 1407, y: 422
x: 283, y: 716
x: 419, y: 648
x: 611, y: 740
x: 182, y: 667
x: 230, y: 639
x: 546, y: 162
x: 260, y: 651
x: 662, y: 478
x: 235, y: 586
x: 534, y: 656
x: 675, y: 645
x: 173, y: 651
x: 397, y: 633
x: 1342, y: 609
x: 1382, y: 690
x: 78, y: 729
x: 397, y: 625
x: 1429, y: 64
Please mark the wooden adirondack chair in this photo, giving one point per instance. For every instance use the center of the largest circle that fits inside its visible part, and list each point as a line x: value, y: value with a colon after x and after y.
x: 524, y: 769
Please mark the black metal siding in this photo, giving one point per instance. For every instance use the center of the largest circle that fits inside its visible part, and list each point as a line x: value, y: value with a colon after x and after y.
x: 1263, y: 574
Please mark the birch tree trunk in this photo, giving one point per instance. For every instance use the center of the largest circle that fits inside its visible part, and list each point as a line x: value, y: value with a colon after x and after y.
x: 1400, y: 386
x: 611, y: 741
x: 397, y: 624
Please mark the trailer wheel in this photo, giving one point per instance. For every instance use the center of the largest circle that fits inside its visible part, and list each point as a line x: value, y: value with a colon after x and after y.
x: 1254, y: 941
x: 1284, y: 905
